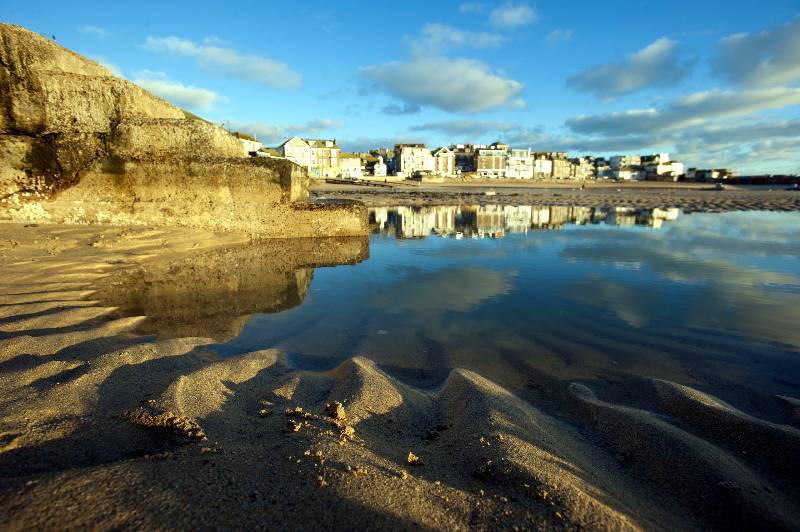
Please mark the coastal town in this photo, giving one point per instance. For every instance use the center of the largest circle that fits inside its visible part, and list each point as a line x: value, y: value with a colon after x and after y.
x: 324, y: 159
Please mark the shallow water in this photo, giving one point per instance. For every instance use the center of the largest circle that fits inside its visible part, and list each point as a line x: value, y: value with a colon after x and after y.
x: 710, y: 300
x: 535, y: 297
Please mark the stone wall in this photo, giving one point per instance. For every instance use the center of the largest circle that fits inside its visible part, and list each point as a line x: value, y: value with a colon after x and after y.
x: 262, y: 197
x: 78, y: 145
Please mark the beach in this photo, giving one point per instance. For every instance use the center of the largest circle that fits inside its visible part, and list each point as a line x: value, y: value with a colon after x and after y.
x: 104, y: 424
x: 690, y: 197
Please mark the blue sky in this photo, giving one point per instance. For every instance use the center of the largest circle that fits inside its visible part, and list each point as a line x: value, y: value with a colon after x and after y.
x: 716, y: 83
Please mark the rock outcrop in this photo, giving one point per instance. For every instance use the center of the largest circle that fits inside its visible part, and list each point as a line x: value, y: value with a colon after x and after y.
x: 78, y: 145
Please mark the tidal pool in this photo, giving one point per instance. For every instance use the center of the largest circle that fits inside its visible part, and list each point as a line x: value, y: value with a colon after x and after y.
x: 531, y: 297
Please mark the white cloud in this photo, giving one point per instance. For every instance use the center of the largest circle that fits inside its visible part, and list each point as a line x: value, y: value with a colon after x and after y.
x: 277, y: 133
x: 187, y: 96
x: 471, y: 7
x: 93, y: 30
x: 691, y: 110
x: 470, y: 129
x: 439, y: 37
x: 771, y: 57
x: 395, y: 109
x: 112, y: 67
x: 229, y: 62
x: 656, y: 65
x: 511, y: 15
x: 486, y: 131
x: 448, y: 84
x: 557, y: 36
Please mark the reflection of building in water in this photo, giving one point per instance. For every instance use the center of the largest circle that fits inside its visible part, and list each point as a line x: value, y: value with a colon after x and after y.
x: 491, y: 221
x: 495, y: 221
x: 518, y: 218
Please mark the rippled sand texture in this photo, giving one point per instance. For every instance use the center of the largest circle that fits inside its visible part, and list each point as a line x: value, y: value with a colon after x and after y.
x: 655, y: 456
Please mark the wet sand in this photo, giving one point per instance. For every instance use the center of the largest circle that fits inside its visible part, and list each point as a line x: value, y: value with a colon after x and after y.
x: 689, y: 197
x: 104, y: 425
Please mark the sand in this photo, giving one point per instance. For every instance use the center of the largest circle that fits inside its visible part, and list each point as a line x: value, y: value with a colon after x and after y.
x: 104, y: 425
x: 692, y: 197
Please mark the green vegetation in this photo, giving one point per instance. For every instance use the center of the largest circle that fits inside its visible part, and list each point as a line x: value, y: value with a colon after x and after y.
x: 192, y: 116
x: 244, y: 136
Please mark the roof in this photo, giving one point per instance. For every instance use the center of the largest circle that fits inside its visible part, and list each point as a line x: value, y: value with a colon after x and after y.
x: 410, y: 145
x: 311, y: 142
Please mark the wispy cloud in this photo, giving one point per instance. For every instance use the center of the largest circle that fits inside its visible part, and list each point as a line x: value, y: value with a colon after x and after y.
x: 771, y: 57
x: 395, y: 109
x: 511, y: 16
x: 471, y: 7
x: 657, y: 65
x: 448, y: 84
x: 277, y: 133
x: 188, y: 96
x: 557, y: 36
x: 470, y: 129
x: 93, y: 30
x: 440, y: 37
x: 694, y: 109
x: 112, y: 67
x: 229, y: 62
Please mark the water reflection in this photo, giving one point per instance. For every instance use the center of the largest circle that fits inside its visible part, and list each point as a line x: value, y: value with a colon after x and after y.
x: 709, y: 300
x: 214, y: 294
x: 495, y: 221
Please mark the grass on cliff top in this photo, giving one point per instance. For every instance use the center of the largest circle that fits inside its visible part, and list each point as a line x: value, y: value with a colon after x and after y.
x: 191, y: 116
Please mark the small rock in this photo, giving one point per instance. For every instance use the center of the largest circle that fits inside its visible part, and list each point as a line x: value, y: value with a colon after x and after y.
x: 293, y: 426
x: 336, y: 411
x: 347, y: 433
x: 264, y: 412
x: 413, y: 459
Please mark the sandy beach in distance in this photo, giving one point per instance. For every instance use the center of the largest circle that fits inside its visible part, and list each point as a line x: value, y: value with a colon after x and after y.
x: 690, y: 197
x: 170, y: 436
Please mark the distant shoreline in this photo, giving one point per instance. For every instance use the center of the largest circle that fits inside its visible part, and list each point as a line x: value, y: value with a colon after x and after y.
x: 690, y: 197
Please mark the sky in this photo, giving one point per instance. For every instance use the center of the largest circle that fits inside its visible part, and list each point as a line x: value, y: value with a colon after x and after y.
x: 715, y: 83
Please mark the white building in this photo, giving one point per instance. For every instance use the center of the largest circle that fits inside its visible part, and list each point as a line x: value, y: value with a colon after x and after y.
x: 413, y: 159
x: 520, y: 164
x: 660, y: 166
x: 622, y: 161
x: 444, y: 162
x: 542, y: 168
x: 379, y: 169
x: 350, y: 167
x: 626, y: 173
x: 250, y: 146
x: 583, y: 168
x: 319, y: 157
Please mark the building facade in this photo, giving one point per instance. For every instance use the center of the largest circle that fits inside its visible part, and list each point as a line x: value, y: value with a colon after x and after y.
x: 465, y: 157
x: 444, y: 162
x: 350, y: 167
x: 491, y: 161
x: 379, y: 169
x: 413, y: 159
x: 319, y: 157
x: 542, y: 166
x: 520, y: 164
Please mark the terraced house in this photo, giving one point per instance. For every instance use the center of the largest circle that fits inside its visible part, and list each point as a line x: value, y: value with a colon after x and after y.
x: 319, y: 157
x: 491, y: 161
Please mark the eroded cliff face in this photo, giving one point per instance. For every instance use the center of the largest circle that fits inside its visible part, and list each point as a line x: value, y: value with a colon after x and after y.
x: 78, y: 145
